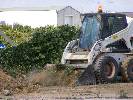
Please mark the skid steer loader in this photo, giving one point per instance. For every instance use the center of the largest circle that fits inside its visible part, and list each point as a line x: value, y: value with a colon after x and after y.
x: 105, y: 42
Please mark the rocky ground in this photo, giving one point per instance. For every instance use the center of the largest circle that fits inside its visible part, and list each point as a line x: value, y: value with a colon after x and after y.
x: 44, y: 85
x: 108, y: 91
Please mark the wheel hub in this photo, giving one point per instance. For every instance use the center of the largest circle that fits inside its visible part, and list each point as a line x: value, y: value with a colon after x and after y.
x: 109, y: 70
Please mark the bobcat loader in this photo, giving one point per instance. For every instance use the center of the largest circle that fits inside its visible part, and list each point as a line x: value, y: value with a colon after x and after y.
x: 105, y: 42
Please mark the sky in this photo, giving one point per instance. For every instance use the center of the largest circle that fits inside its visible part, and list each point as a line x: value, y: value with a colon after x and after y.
x: 30, y: 18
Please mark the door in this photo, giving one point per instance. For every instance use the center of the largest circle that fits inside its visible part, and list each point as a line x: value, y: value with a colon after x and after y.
x: 68, y: 20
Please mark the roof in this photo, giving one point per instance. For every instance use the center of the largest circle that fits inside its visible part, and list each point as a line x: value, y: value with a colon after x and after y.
x: 66, y: 8
x: 107, y: 14
x: 129, y: 14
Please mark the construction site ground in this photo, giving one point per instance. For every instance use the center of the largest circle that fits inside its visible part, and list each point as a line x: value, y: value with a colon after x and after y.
x: 43, y: 85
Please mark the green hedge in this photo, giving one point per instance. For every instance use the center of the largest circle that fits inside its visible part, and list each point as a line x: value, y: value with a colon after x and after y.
x: 45, y: 46
x: 18, y: 33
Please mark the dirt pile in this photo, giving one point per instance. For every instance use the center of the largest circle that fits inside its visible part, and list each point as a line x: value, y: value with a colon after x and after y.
x: 51, y: 75
x: 6, y: 81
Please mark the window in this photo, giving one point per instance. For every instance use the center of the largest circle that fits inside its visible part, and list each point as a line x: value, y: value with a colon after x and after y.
x: 112, y: 24
x: 68, y: 20
x: 90, y: 31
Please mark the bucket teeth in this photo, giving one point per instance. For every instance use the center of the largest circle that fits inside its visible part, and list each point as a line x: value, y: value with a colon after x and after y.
x: 87, y: 77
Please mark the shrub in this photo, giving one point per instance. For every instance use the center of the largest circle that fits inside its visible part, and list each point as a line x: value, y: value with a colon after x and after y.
x: 45, y: 46
x: 18, y: 33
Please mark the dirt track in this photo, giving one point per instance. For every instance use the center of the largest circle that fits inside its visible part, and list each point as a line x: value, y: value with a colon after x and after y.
x: 47, y: 85
x: 108, y: 91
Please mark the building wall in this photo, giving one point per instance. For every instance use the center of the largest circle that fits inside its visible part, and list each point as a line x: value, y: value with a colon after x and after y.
x: 66, y: 14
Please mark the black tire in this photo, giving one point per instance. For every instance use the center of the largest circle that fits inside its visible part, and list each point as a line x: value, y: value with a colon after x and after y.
x: 106, y: 69
x: 130, y: 70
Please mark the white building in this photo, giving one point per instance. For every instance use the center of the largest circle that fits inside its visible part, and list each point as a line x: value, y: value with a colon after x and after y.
x: 30, y: 18
x: 68, y: 15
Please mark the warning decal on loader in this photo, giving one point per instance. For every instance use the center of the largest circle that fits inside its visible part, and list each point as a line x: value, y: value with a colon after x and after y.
x: 114, y: 37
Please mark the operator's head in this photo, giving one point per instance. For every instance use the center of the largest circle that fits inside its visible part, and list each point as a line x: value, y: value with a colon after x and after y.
x: 100, y: 10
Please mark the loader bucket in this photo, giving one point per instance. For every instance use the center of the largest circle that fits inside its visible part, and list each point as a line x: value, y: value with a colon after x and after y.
x: 87, y: 77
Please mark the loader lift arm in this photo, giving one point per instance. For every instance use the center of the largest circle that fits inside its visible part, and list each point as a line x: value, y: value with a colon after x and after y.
x: 101, y: 45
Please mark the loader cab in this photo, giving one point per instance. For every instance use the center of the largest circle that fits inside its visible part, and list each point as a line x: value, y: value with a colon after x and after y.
x: 96, y: 26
